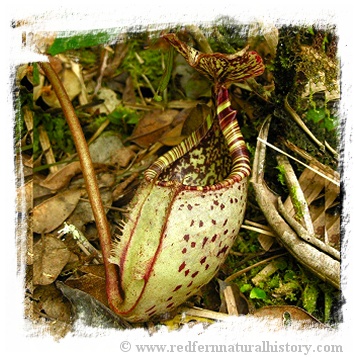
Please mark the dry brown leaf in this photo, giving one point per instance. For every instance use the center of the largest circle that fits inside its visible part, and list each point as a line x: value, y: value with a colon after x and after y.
x: 72, y: 85
x: 122, y: 157
x: 195, y: 118
x: 62, y: 177
x: 152, y: 126
x: 95, y: 269
x: 50, y: 255
x: 91, y: 284
x: 51, y: 302
x: 173, y: 137
x: 83, y: 212
x: 51, y: 213
x: 288, y: 315
x: 118, y: 192
x: 266, y: 241
x: 185, y: 123
x: 40, y: 192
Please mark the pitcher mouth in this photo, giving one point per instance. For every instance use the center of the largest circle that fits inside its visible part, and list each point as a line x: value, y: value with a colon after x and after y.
x: 213, y: 157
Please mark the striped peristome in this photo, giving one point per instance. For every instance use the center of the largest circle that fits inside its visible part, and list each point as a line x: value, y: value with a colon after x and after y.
x: 188, y: 210
x: 231, y: 130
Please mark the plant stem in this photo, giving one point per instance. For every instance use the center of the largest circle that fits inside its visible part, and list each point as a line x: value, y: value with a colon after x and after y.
x: 112, y: 287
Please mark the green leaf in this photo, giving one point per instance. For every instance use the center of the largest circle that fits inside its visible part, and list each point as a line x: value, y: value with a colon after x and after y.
x: 245, y: 287
x: 330, y: 123
x: 316, y: 115
x: 123, y: 114
x: 73, y: 41
x: 257, y: 293
x: 281, y: 264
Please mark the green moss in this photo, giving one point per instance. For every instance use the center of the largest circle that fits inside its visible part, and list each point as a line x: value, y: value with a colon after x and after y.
x: 296, y: 203
x: 86, y: 57
x: 281, y: 175
x: 140, y: 61
x: 309, y: 298
x: 58, y: 133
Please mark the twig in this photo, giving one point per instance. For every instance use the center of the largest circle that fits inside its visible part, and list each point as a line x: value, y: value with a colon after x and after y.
x: 334, y: 152
x: 230, y: 301
x: 243, y: 271
x: 102, y: 71
x: 47, y: 149
x: 146, y: 79
x: 99, y: 131
x: 208, y: 314
x: 270, y: 269
x: 299, y: 121
x: 258, y: 230
x: 200, y: 38
x: 296, y: 193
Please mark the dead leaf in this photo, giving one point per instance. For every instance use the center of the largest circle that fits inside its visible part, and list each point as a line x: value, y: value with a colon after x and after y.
x: 123, y: 156
x: 40, y: 192
x: 50, y: 255
x: 266, y: 241
x: 61, y: 178
x: 72, y: 85
x: 104, y: 147
x: 95, y: 269
x: 83, y: 212
x: 111, y: 102
x: 92, y: 284
x: 288, y: 316
x: 173, y: 137
x: 51, y: 213
x: 152, y: 126
x: 121, y: 187
x: 185, y: 123
x: 195, y: 119
x: 24, y: 199
x: 51, y: 302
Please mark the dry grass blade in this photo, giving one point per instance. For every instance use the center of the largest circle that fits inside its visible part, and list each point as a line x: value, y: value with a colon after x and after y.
x: 243, y: 271
x: 265, y: 142
x: 230, y: 301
